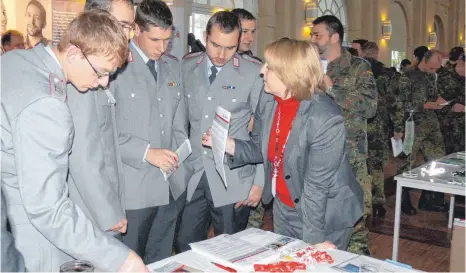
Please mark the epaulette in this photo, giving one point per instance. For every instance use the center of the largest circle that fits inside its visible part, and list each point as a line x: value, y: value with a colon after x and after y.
x: 57, y: 87
x: 192, y: 55
x: 356, y: 57
x: 130, y: 57
x: 251, y: 59
x: 171, y: 57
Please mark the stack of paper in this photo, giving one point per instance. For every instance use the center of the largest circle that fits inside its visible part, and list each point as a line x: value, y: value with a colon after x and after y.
x: 234, y: 252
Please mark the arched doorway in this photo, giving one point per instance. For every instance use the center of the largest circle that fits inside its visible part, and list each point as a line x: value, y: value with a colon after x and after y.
x: 399, y: 39
x: 439, y: 31
x: 336, y: 8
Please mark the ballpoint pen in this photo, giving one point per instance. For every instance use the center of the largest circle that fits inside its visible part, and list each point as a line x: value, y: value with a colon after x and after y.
x: 229, y: 269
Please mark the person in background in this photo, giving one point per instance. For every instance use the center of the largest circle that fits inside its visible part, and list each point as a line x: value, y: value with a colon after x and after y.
x: 195, y: 44
x: 405, y: 65
x: 3, y: 23
x: 454, y: 56
x: 353, y: 88
x: 35, y: 23
x: 96, y: 183
x: 248, y: 34
x: 299, y: 135
x: 352, y: 51
x: 358, y: 44
x: 418, y: 55
x: 37, y: 135
x: 12, y: 39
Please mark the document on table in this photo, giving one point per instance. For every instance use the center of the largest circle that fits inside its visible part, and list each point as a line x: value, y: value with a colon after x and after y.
x: 269, y: 239
x: 368, y: 264
x: 183, y: 152
x: 220, y: 127
x: 231, y: 251
x: 397, y: 146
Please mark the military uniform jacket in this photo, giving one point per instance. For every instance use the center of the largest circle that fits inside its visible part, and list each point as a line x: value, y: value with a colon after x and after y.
x: 354, y: 90
x: 37, y: 135
x: 236, y: 88
x: 150, y: 112
x: 95, y: 165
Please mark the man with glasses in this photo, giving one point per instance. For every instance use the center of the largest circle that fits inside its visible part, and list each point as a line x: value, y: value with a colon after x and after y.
x: 152, y: 123
x: 94, y: 178
x: 37, y: 135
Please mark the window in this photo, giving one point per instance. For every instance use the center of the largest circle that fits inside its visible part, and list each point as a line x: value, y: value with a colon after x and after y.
x: 336, y: 8
x: 197, y: 25
x: 397, y: 57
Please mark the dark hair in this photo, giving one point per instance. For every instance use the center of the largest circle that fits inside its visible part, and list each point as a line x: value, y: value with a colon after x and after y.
x: 419, y: 52
x: 405, y: 63
x: 43, y: 13
x: 393, y: 69
x: 455, y: 53
x: 8, y: 35
x: 153, y: 13
x: 333, y: 25
x: 243, y: 14
x: 361, y: 42
x: 104, y: 4
x: 352, y: 51
x: 226, y: 20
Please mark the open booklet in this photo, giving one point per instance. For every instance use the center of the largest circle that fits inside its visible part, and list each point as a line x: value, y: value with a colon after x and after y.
x: 183, y: 152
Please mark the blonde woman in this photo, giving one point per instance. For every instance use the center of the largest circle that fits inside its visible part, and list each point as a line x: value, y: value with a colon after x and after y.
x: 299, y: 135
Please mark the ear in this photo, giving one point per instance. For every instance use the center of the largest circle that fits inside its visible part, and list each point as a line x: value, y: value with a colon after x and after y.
x: 335, y: 38
x: 137, y: 30
x: 72, y: 52
x: 205, y: 37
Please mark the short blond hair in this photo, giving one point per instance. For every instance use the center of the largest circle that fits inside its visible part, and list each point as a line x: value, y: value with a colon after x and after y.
x: 370, y: 50
x: 297, y: 64
x: 97, y: 32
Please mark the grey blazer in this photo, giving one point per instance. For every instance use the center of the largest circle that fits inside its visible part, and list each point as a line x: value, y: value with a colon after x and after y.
x: 236, y: 88
x: 322, y: 184
x: 150, y: 113
x: 37, y: 135
x: 95, y: 164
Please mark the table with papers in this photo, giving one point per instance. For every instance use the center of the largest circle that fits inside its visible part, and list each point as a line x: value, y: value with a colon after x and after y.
x: 240, y: 251
x: 442, y: 175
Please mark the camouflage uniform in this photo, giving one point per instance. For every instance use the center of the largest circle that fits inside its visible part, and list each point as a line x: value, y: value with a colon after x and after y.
x: 354, y: 89
x: 451, y: 88
x: 415, y: 89
x: 378, y: 130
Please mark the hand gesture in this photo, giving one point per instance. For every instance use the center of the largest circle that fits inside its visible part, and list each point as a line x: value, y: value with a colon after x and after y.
x: 163, y: 159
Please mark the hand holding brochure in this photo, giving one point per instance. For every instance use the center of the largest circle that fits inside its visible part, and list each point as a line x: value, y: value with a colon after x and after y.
x: 183, y: 152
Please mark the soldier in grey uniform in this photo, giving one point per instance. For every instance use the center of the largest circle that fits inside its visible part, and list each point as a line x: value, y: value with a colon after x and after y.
x: 219, y: 77
x: 37, y: 135
x: 94, y: 180
x: 12, y: 260
x: 152, y: 123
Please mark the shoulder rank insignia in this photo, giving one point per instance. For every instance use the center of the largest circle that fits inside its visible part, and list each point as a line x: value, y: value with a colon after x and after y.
x: 171, y: 57
x: 251, y: 59
x: 236, y: 61
x: 130, y: 57
x: 192, y: 55
x: 174, y: 84
x: 57, y: 87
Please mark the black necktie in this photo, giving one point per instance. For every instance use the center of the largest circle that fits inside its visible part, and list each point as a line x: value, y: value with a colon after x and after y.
x: 151, y: 65
x: 213, y: 74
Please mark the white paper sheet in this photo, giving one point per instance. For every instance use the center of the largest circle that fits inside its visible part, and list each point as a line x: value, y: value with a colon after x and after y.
x: 397, y: 146
x: 183, y: 152
x: 219, y: 130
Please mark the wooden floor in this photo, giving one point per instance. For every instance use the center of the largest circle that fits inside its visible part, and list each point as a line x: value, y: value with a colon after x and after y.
x: 420, y: 256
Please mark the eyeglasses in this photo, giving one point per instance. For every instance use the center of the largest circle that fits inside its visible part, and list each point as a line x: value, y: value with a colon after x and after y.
x: 99, y: 74
x: 127, y: 26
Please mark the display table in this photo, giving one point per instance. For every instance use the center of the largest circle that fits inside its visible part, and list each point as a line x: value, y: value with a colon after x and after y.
x: 189, y: 260
x: 432, y: 180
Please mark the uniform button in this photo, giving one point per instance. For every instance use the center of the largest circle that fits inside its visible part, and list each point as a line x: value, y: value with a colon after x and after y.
x: 209, y: 98
x: 161, y: 115
x: 159, y: 99
x: 296, y: 200
x: 163, y: 132
x: 287, y: 177
x: 132, y: 95
x: 205, y: 152
x: 233, y: 100
x: 206, y: 116
x: 189, y: 95
x: 178, y: 94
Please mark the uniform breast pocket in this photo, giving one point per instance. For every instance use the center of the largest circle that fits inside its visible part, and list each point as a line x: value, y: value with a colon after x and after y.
x: 103, y: 109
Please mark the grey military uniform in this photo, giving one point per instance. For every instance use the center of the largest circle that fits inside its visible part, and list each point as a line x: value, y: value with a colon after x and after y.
x: 151, y: 112
x: 95, y: 165
x: 37, y: 136
x: 236, y: 88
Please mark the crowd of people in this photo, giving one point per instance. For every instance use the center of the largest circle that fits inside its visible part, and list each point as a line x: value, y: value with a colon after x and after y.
x: 90, y: 127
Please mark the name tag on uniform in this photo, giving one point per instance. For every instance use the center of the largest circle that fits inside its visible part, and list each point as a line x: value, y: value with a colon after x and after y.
x: 228, y: 87
x: 174, y: 84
